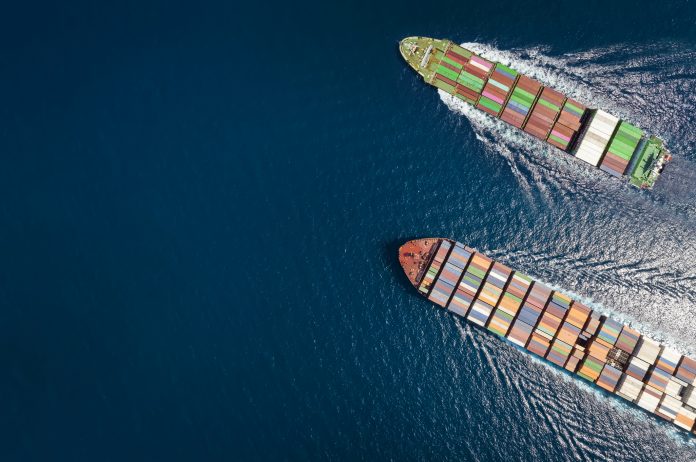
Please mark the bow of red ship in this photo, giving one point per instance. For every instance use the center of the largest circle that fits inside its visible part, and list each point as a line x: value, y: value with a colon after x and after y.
x: 414, y: 257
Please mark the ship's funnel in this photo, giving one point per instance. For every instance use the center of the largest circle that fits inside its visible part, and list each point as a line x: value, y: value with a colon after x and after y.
x: 415, y: 256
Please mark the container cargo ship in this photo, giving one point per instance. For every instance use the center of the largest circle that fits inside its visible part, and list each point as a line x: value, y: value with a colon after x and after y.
x: 550, y: 324
x: 592, y: 135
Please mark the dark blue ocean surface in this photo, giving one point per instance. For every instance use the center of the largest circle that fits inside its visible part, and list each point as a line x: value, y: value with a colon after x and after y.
x: 202, y: 203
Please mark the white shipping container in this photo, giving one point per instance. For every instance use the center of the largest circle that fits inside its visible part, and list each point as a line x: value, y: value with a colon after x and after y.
x: 605, y: 116
x: 596, y: 139
x: 605, y: 127
x: 648, y: 401
x: 648, y: 350
x: 630, y: 388
x: 589, y: 154
x: 673, y: 388
x: 639, y: 363
x: 497, y: 276
x: 670, y: 406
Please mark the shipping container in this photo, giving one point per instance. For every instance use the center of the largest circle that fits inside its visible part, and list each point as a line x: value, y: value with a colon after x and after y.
x: 596, y: 138
x: 572, y: 363
x: 685, y: 418
x: 687, y: 370
x: 599, y: 349
x: 523, y: 97
x: 648, y: 350
x: 630, y: 387
x: 538, y: 344
x: 559, y: 352
x: 460, y: 256
x: 658, y: 379
x: 578, y: 314
x: 544, y: 113
x: 497, y: 89
x: 668, y: 360
x: 434, y: 268
x: 548, y: 325
x: 609, y: 378
x: 571, y: 115
x: 675, y: 387
x: 568, y: 333
x: 628, y: 339
x: 668, y: 408
x: 509, y: 303
x: 520, y: 332
x: 621, y: 149
x: 480, y: 313
x: 591, y: 368
x: 609, y: 332
x: 649, y: 398
x: 469, y: 284
x: 637, y: 368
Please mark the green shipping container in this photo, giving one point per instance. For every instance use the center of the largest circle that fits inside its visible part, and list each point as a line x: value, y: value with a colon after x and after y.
x: 449, y: 73
x: 443, y: 85
x: 490, y: 104
x: 452, y: 62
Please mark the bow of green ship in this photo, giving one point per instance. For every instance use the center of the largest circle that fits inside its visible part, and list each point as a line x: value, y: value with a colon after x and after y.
x: 419, y: 51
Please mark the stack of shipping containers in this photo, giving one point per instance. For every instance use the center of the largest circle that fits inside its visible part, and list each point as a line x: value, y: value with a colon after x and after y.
x: 490, y: 294
x: 470, y: 283
x: 529, y: 314
x: 473, y: 78
x: 521, y: 101
x: 544, y: 113
x: 567, y: 125
x: 567, y: 333
x: 510, y: 304
x: 597, y: 137
x: 497, y: 89
x: 621, y: 149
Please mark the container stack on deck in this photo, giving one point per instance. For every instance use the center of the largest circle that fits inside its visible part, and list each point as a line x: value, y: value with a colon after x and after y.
x: 497, y: 89
x: 593, y: 145
x: 568, y: 124
x: 621, y: 149
x: 567, y: 333
x: 521, y: 101
x: 544, y: 113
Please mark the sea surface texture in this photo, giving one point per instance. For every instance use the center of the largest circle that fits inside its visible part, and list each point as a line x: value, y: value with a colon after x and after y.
x: 201, y: 206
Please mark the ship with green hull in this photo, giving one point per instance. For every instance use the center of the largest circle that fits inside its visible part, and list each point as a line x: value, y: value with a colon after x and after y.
x: 592, y: 135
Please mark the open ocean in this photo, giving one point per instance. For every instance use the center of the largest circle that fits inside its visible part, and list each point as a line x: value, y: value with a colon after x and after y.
x: 202, y: 205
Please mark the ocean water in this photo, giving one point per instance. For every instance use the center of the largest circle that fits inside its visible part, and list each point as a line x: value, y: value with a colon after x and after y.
x: 202, y: 205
